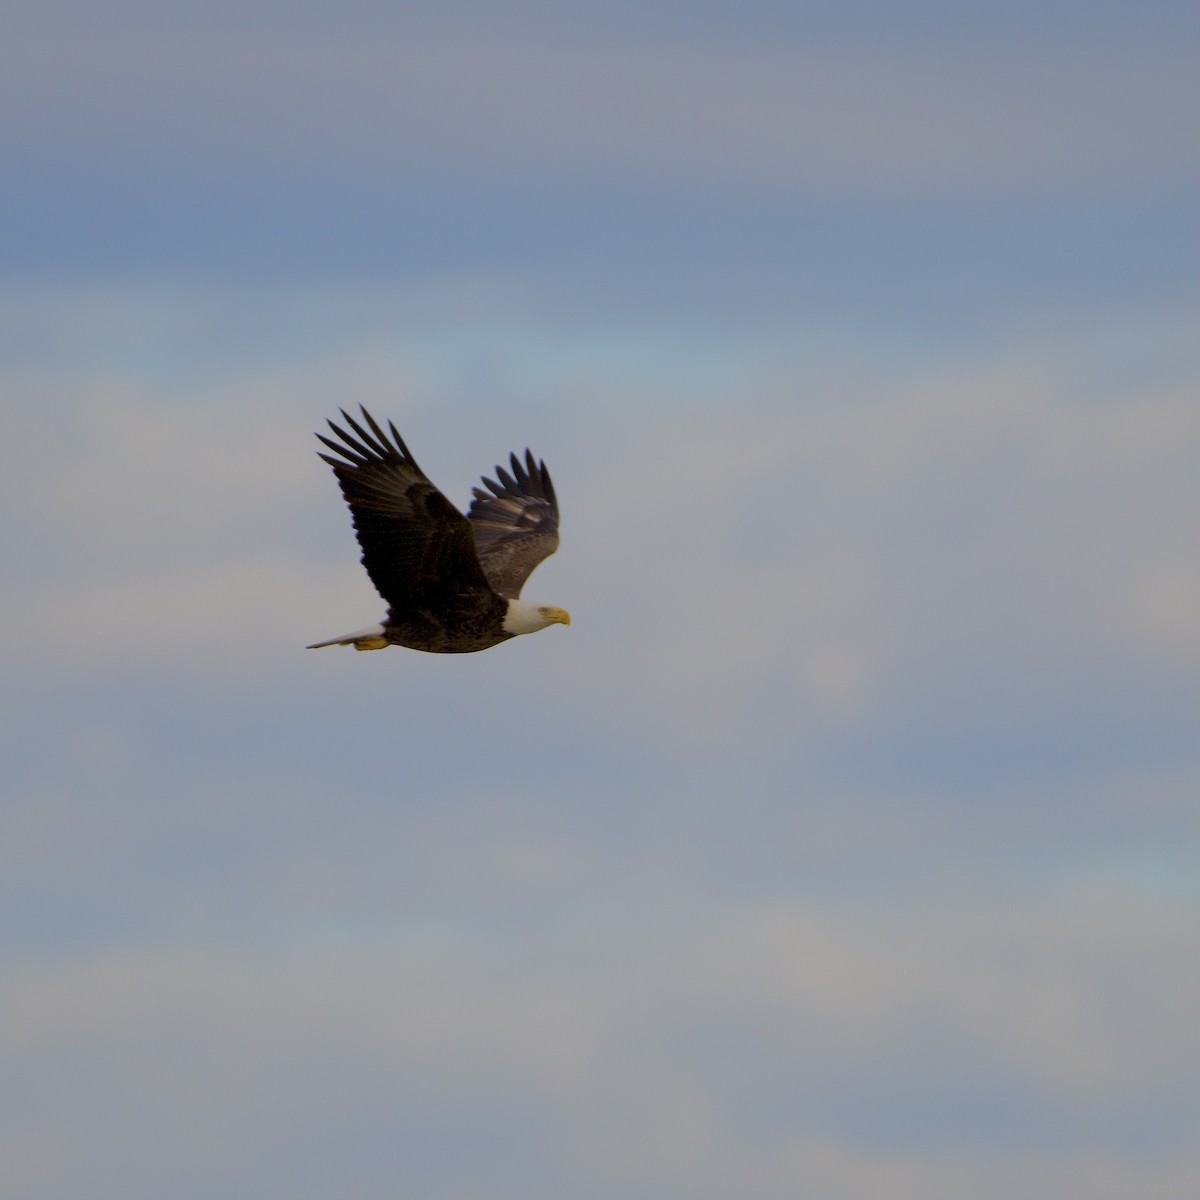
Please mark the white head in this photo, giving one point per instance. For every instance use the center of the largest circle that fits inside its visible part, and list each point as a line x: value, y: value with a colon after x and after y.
x: 524, y: 616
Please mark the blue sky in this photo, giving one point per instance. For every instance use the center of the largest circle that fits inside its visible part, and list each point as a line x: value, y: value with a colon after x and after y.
x: 846, y: 845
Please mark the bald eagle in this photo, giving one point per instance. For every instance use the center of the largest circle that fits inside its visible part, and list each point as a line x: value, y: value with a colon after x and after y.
x: 452, y: 583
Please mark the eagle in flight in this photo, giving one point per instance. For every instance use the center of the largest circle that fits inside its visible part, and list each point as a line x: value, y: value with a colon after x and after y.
x: 452, y: 583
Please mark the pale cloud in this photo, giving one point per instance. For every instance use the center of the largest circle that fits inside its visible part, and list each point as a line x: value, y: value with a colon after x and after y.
x: 905, y: 120
x: 789, y: 564
x: 846, y: 845
x: 811, y: 563
x: 675, y: 1053
x: 1160, y: 613
x: 750, y: 966
x: 164, y: 525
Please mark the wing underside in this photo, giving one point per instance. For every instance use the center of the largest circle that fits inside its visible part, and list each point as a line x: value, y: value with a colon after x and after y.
x: 515, y: 522
x: 418, y: 549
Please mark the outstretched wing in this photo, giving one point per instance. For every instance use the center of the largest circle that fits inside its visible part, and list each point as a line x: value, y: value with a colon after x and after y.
x: 417, y: 547
x: 516, y: 525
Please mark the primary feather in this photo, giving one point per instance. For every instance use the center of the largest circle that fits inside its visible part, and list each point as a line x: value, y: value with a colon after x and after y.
x: 515, y: 523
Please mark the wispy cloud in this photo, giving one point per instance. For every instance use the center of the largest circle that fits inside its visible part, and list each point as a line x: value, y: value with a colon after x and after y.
x: 767, y: 1047
x: 787, y: 561
x: 992, y: 120
x: 846, y: 845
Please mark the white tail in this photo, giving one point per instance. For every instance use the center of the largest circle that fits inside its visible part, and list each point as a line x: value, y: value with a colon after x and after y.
x: 363, y: 639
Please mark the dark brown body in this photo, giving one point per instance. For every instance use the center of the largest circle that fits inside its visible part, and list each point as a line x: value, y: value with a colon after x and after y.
x: 470, y: 629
